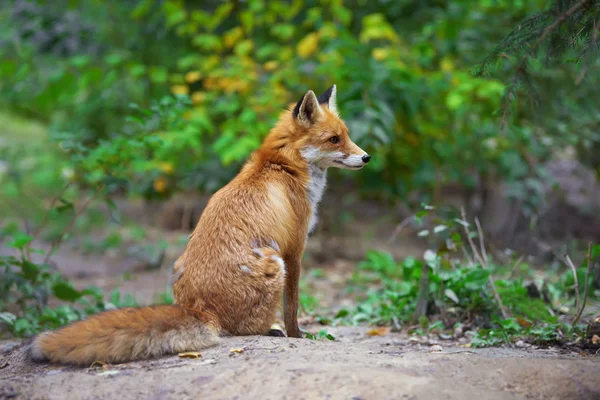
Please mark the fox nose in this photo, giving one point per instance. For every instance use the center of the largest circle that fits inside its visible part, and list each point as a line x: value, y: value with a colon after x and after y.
x: 366, y: 158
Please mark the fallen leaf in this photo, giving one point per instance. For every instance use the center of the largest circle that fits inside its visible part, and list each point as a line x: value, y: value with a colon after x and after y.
x: 595, y: 339
x: 99, y: 363
x: 237, y: 350
x: 381, y: 331
x: 523, y: 322
x: 190, y: 354
x: 436, y: 348
x: 108, y: 373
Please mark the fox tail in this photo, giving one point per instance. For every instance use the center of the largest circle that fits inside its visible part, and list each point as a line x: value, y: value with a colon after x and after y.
x: 127, y: 334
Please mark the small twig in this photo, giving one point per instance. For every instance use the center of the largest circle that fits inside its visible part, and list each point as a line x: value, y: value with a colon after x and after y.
x: 45, y: 218
x: 481, y: 241
x: 515, y: 265
x: 399, y: 228
x: 569, y: 263
x: 483, y: 263
x: 470, y: 240
x: 467, y: 256
x: 77, y: 214
x: 585, y: 290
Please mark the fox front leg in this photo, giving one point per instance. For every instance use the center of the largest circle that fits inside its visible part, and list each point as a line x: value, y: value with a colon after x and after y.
x: 290, y: 297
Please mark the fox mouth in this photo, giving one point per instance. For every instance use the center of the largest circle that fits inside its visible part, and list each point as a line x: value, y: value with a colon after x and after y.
x: 348, y: 166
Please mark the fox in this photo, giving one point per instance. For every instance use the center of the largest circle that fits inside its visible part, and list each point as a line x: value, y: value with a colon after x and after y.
x: 242, y: 258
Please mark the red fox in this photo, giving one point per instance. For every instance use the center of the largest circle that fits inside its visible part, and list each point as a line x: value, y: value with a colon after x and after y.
x: 244, y: 253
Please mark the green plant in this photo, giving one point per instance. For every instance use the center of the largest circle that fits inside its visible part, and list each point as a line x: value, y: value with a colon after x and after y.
x: 27, y: 288
x: 321, y: 335
x: 470, y: 289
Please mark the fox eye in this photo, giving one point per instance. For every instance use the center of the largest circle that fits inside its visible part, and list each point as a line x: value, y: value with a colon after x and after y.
x: 334, y: 139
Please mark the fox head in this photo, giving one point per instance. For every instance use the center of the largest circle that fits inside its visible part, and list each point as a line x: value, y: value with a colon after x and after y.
x: 317, y: 133
x: 326, y: 142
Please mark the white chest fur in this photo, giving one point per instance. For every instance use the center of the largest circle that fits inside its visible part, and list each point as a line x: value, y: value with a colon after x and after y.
x: 315, y: 189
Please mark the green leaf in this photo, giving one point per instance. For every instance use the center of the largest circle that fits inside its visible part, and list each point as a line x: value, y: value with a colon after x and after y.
x: 22, y: 326
x: 8, y: 318
x: 451, y: 295
x: 595, y: 251
x: 476, y: 278
x: 65, y: 205
x: 439, y: 228
x: 65, y: 291
x: 30, y: 270
x: 20, y: 241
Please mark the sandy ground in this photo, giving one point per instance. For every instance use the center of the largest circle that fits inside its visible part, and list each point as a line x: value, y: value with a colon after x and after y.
x: 354, y: 366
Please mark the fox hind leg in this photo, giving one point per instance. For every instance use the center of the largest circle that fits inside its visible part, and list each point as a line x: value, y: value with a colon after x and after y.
x: 265, y: 277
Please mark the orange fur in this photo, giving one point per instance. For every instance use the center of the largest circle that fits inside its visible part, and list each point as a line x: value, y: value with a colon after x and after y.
x: 244, y: 252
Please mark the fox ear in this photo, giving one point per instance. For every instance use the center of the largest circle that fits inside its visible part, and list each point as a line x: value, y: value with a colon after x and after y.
x: 329, y: 97
x: 308, y: 111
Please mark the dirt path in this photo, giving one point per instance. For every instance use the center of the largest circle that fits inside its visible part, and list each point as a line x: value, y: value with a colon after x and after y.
x: 354, y: 366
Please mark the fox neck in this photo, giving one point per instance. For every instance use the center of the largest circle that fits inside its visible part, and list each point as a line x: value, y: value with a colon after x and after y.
x: 314, y: 191
x: 315, y: 178
x: 281, y: 141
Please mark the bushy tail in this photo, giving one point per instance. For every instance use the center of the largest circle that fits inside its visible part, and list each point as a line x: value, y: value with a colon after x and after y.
x: 126, y: 334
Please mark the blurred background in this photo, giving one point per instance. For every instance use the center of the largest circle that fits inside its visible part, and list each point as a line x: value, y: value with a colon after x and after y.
x: 118, y: 120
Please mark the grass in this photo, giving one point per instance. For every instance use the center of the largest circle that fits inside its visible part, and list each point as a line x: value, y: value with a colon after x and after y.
x: 387, y: 292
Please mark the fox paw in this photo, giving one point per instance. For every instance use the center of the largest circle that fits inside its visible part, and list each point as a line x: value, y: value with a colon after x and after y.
x: 276, y: 331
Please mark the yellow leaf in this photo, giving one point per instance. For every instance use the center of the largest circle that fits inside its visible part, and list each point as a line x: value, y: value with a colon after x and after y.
x: 160, y: 184
x: 595, y: 339
x: 198, y: 97
x: 166, y: 167
x: 211, y: 62
x: 380, y: 53
x: 231, y: 37
x: 244, y: 47
x: 381, y: 331
x: 193, y: 76
x: 307, y: 46
x: 236, y: 350
x: 180, y: 89
x: 270, y: 65
x: 190, y: 354
x: 446, y: 65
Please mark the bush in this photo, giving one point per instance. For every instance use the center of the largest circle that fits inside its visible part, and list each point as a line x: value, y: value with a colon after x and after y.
x: 403, y: 72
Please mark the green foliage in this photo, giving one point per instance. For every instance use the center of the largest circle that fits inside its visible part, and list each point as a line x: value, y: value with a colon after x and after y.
x: 406, y: 92
x: 458, y: 291
x: 321, y: 335
x: 35, y: 297
x: 27, y: 286
x: 456, y: 295
x: 461, y: 291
